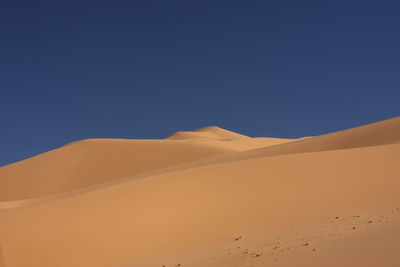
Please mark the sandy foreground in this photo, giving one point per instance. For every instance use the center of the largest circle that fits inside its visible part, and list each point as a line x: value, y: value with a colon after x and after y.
x: 209, y: 198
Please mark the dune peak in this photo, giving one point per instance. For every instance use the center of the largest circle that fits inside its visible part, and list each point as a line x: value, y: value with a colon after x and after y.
x: 208, y: 132
x: 210, y: 128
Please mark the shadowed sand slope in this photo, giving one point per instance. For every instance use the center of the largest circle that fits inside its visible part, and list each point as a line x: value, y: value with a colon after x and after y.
x: 379, y: 133
x: 330, y: 200
x: 95, y: 161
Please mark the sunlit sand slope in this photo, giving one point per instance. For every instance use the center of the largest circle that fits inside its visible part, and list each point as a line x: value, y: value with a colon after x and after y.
x: 328, y: 201
x: 95, y: 161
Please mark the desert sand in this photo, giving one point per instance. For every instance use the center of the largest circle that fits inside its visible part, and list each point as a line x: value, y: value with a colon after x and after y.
x: 209, y: 197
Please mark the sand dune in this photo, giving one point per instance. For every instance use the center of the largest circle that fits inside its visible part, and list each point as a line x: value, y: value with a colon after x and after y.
x: 330, y: 200
x: 379, y: 133
x: 95, y: 161
x: 227, y: 139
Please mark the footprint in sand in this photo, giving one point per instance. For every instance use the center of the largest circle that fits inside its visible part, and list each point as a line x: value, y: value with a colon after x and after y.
x: 238, y: 238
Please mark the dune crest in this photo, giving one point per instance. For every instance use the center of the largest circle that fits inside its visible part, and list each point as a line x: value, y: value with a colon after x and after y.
x: 210, y: 132
x: 373, y: 134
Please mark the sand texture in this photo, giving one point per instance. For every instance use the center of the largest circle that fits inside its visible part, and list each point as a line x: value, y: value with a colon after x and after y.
x: 207, y: 198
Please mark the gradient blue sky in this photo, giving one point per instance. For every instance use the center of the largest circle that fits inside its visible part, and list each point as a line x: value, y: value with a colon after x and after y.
x: 144, y: 69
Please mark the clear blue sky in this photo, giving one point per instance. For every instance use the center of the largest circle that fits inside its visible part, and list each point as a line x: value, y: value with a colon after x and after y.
x: 71, y: 70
